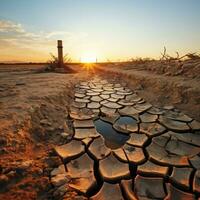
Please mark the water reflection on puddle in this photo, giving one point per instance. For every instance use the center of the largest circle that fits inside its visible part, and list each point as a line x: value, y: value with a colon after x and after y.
x: 126, y: 120
x: 113, y: 139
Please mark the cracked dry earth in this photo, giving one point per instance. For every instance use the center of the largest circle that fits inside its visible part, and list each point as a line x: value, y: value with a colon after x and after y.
x: 124, y: 148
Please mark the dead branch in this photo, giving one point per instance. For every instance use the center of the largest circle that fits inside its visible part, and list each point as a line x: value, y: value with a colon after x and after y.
x: 169, y: 58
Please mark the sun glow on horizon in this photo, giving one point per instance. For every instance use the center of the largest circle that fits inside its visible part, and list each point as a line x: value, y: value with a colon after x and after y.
x: 88, y: 58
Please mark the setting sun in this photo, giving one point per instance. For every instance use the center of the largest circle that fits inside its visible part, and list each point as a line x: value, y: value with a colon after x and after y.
x: 88, y: 58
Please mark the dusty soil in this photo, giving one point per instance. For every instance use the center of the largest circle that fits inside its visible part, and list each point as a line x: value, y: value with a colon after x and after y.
x: 160, y: 85
x: 33, y: 110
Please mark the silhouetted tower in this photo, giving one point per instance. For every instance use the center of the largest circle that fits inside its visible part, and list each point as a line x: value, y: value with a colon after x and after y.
x: 60, y: 53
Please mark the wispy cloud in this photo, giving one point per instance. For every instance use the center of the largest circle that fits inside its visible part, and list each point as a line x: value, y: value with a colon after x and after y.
x: 14, y: 36
x: 9, y: 26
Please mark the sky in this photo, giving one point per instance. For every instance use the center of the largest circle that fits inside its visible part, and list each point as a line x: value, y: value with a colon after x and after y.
x: 108, y: 29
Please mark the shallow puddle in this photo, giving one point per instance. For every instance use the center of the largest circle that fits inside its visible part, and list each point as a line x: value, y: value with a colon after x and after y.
x: 113, y: 139
x: 126, y: 120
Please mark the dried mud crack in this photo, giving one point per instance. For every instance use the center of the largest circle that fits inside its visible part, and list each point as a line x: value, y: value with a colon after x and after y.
x: 121, y: 147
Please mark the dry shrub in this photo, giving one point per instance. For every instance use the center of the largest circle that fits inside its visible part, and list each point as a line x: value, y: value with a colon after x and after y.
x: 53, y: 62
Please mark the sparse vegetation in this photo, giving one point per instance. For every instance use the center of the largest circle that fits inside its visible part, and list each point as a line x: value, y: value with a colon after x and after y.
x: 53, y: 62
x: 139, y: 60
x: 187, y: 56
x: 187, y: 65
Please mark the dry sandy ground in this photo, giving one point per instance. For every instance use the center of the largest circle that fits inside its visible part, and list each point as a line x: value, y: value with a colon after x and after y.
x: 33, y: 109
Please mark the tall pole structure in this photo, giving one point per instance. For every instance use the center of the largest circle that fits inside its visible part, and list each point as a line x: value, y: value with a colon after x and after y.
x: 60, y: 53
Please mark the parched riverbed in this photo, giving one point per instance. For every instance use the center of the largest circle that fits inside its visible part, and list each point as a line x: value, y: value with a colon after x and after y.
x: 122, y: 147
x: 89, y: 135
